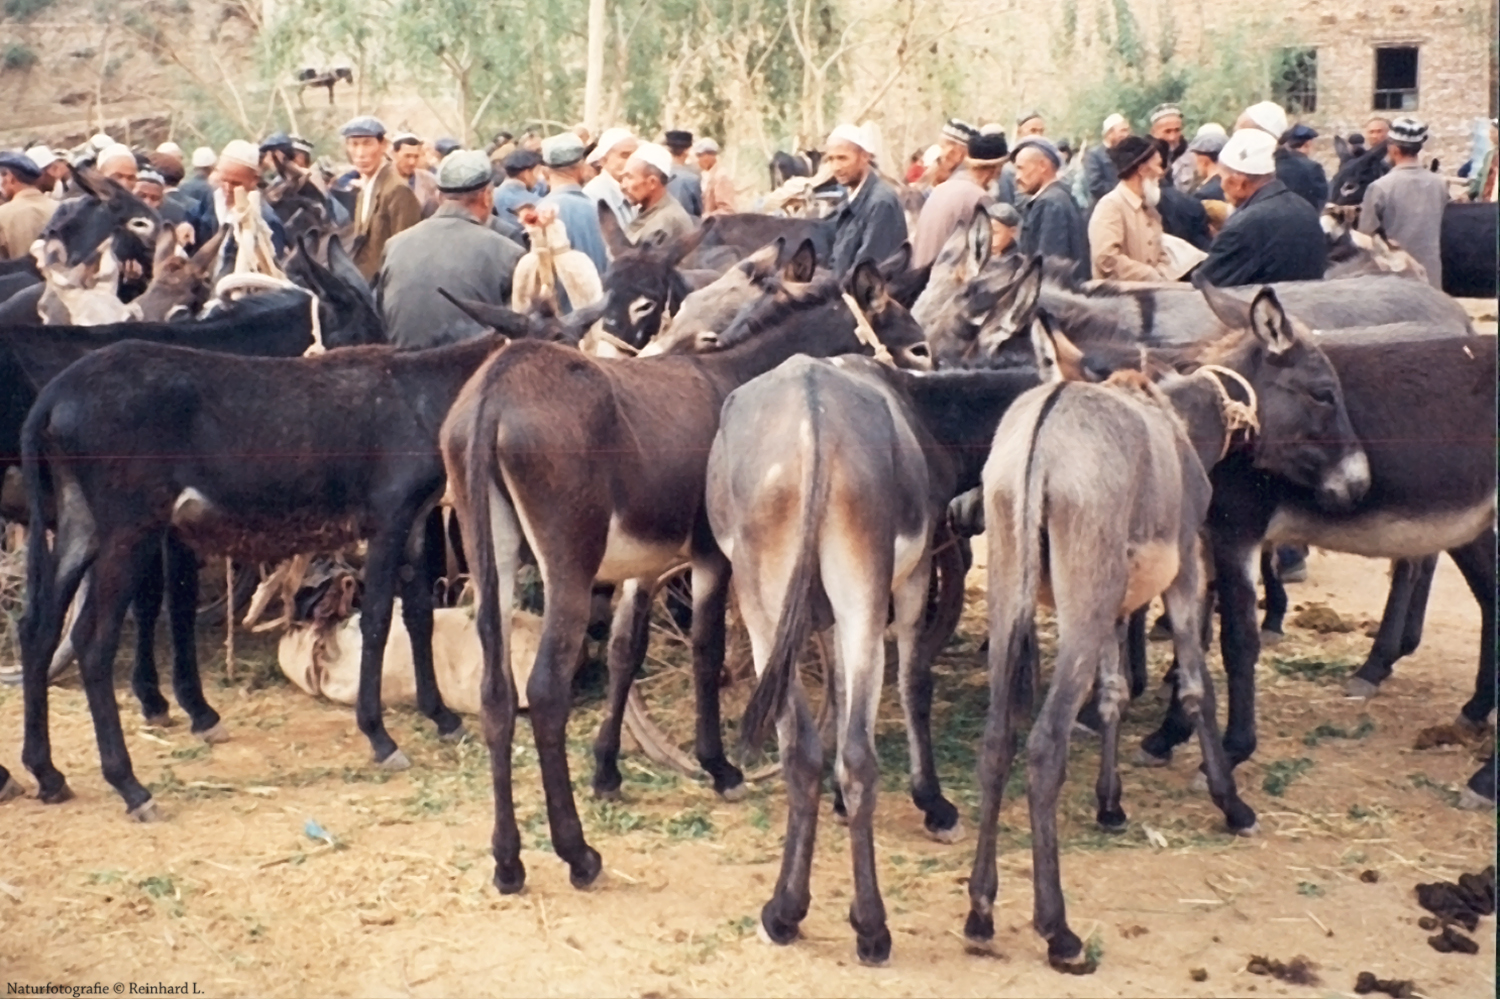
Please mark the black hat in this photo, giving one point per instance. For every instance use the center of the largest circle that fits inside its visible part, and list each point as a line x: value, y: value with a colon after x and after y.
x: 1299, y: 134
x: 23, y: 166
x: 446, y: 145
x: 521, y: 160
x: 279, y: 141
x: 1130, y: 152
x: 1356, y: 138
x: 677, y: 139
x: 987, y: 149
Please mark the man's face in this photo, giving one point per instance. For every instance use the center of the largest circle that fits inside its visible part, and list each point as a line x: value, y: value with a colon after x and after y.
x: 952, y: 155
x: 236, y: 176
x: 1376, y: 131
x: 640, y: 183
x: 616, y: 158
x: 1238, y: 186
x: 8, y: 185
x: 1207, y: 165
x: 1168, y: 130
x: 1034, y: 126
x: 407, y: 159
x: 847, y: 162
x: 121, y: 170
x: 150, y: 192
x: 1117, y: 133
x: 1152, y: 169
x: 1033, y: 170
x: 706, y: 161
x: 366, y: 153
x: 1001, y: 238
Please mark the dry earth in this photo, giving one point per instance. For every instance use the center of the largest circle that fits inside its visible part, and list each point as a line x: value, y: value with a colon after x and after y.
x: 231, y: 894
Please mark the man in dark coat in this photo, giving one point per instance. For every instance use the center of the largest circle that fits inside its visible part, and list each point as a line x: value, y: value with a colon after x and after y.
x: 1051, y: 223
x: 871, y: 225
x: 1273, y: 235
x: 1300, y: 172
x: 454, y: 250
x: 684, y: 183
x: 1098, y: 169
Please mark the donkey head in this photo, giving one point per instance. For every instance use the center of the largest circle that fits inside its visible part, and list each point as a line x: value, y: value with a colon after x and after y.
x: 108, y: 216
x: 346, y: 308
x: 1355, y: 174
x: 179, y: 285
x: 714, y: 307
x: 1305, y: 434
x: 869, y: 285
x: 642, y: 283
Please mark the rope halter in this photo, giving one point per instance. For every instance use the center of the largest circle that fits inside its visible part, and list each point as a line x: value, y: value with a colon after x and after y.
x: 1237, y: 415
x: 866, y: 333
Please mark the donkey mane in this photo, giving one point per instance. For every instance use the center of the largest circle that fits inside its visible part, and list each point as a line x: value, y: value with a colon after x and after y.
x: 785, y: 300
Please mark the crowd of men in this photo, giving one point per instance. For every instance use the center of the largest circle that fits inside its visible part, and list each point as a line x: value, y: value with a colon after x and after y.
x: 1238, y: 205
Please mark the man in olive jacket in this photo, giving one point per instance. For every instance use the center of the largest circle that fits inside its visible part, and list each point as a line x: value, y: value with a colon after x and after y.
x: 1273, y: 235
x: 385, y: 206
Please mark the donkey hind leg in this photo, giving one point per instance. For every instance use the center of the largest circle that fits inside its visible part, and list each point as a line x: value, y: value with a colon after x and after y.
x: 182, y: 615
x: 1195, y: 695
x: 1112, y: 694
x: 1139, y: 666
x: 710, y: 597
x: 1081, y: 641
x: 381, y: 566
x: 1476, y: 560
x: 115, y: 581
x: 417, y: 579
x: 74, y: 549
x: 1405, y: 574
x: 915, y: 672
x: 628, y: 636
x: 146, y: 607
x: 1273, y: 625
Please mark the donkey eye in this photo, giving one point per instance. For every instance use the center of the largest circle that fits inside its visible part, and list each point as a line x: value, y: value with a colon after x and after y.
x: 140, y: 225
x: 1324, y: 396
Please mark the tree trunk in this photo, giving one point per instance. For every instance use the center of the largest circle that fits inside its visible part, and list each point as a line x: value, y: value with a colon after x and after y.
x: 593, y: 87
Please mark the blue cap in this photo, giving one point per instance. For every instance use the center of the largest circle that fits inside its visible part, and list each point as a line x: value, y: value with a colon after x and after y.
x: 1042, y: 145
x: 276, y: 140
x: 365, y: 126
x: 1300, y: 133
x: 445, y: 145
x: 20, y: 164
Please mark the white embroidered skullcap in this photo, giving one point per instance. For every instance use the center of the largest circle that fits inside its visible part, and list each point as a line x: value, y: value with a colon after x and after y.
x: 855, y: 135
x: 1250, y: 151
x: 608, y: 140
x: 1269, y: 117
x: 114, y: 151
x: 654, y: 155
x: 241, y: 153
x: 1112, y: 122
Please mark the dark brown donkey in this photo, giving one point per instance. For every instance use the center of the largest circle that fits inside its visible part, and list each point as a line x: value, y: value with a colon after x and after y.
x: 598, y: 466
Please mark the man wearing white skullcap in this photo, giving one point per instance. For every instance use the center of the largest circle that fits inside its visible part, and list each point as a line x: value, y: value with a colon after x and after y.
x: 609, y: 156
x: 1274, y: 234
x: 117, y: 163
x: 196, y: 187
x: 1267, y: 116
x: 1099, y: 174
x: 645, y: 185
x: 871, y: 224
x: 238, y: 169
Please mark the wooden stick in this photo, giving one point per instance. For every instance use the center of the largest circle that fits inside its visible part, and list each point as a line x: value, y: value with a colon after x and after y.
x: 229, y: 618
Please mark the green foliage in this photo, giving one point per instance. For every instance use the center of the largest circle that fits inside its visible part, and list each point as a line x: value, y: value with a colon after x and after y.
x: 1310, y: 668
x: 1281, y: 774
x: 1326, y: 730
x: 1309, y: 889
x: 1128, y: 43
x: 18, y: 57
x: 691, y: 824
x: 20, y: 10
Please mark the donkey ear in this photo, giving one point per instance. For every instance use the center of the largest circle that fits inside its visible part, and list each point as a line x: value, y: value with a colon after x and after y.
x: 208, y: 253
x: 867, y: 286
x: 1230, y: 310
x: 615, y: 239
x: 803, y: 263
x: 89, y: 181
x: 1018, y: 303
x: 581, y: 319
x: 1269, y: 322
x: 1341, y: 149
x: 685, y: 245
x: 897, y: 263
x: 762, y: 263
x: 1045, y: 351
x: 166, y: 246
x: 979, y: 240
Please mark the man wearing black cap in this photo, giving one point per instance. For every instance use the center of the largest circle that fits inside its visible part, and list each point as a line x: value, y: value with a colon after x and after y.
x: 27, y: 210
x: 455, y: 250
x: 1051, y: 223
x: 1407, y: 203
x: 385, y: 206
x: 684, y: 184
x: 520, y: 187
x: 1302, y: 174
x: 952, y: 203
x: 1125, y: 232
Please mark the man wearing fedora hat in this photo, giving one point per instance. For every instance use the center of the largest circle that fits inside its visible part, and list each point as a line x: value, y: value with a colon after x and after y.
x: 27, y: 209
x: 952, y: 203
x: 1407, y: 203
x: 455, y: 250
x: 683, y: 183
x: 1125, y: 230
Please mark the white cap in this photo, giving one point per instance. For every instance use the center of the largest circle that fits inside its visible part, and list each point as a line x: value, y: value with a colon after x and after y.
x: 654, y: 155
x: 1112, y: 122
x: 1210, y: 128
x: 610, y: 138
x: 113, y: 151
x: 855, y: 135
x: 170, y: 149
x: 241, y: 153
x: 1249, y: 151
x: 930, y: 157
x: 204, y: 158
x: 1268, y: 117
x: 100, y: 140
x: 44, y: 156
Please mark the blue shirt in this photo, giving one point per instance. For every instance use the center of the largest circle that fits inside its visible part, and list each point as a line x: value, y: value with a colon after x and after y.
x: 512, y: 195
x: 580, y: 217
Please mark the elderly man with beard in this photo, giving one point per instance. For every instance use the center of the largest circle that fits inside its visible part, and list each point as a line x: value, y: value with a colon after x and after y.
x: 871, y: 224
x: 1125, y: 231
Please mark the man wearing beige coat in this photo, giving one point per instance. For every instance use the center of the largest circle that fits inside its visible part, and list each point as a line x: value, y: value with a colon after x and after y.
x: 1125, y: 234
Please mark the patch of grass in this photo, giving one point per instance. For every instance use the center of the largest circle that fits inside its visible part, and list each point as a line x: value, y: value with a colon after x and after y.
x: 1310, y: 889
x: 20, y: 10
x: 760, y: 817
x: 1329, y: 731
x: 105, y: 877
x: 18, y: 57
x: 691, y: 824
x: 1311, y: 668
x: 191, y: 752
x: 1093, y: 950
x: 1447, y: 792
x: 1281, y: 774
x: 429, y: 799
x: 161, y: 888
x: 742, y: 927
x: 612, y: 817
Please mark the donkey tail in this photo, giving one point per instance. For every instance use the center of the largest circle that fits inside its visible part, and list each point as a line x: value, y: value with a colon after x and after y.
x: 795, y: 622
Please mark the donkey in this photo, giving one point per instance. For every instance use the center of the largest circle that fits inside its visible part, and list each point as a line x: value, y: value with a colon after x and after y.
x: 826, y: 483
x: 644, y: 284
x: 1425, y: 408
x: 346, y: 451
x: 598, y: 466
x: 108, y: 218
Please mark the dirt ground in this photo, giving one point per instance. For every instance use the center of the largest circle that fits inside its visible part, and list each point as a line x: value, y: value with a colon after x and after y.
x: 232, y: 895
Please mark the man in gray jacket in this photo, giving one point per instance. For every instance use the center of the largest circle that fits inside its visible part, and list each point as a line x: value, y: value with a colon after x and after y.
x: 454, y: 250
x: 1407, y: 203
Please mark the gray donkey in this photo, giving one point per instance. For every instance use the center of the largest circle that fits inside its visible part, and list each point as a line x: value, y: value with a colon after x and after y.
x: 1094, y: 499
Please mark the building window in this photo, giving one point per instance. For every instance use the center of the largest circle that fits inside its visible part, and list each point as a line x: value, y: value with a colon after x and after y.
x: 1396, y: 78
x: 1297, y: 80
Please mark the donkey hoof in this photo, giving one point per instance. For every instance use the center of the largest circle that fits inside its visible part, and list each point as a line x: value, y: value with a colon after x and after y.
x: 13, y: 789
x: 874, y: 951
x: 215, y: 734
x: 1199, y: 783
x: 162, y: 720
x: 607, y: 793
x: 1270, y: 639
x: 1469, y: 800
x: 953, y: 834
x: 1141, y: 758
x: 1112, y: 820
x: 457, y: 735
x: 1467, y: 726
x: 1065, y: 953
x: 739, y: 792
x: 57, y: 796
x: 586, y: 873
x: 1358, y: 687
x: 979, y: 929
x: 772, y: 930
x: 146, y: 811
x: 394, y: 762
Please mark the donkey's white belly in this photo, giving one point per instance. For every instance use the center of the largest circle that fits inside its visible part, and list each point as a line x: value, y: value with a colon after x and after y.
x: 629, y: 557
x: 1384, y: 534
